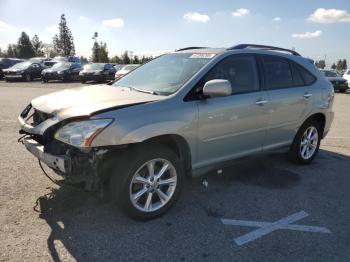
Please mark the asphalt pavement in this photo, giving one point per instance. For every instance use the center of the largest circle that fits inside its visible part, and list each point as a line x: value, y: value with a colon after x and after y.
x: 283, y: 204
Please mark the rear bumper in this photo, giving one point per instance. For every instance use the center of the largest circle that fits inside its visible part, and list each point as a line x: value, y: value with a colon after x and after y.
x: 59, y: 163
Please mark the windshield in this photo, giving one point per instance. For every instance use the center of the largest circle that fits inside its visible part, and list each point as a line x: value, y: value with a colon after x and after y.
x: 96, y: 66
x: 22, y: 65
x: 165, y: 74
x: 61, y: 66
x: 329, y: 74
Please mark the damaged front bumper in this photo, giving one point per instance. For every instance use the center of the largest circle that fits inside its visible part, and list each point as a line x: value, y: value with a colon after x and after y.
x: 88, y: 169
x: 60, y: 163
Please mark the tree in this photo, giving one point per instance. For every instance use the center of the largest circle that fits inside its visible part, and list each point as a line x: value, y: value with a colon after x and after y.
x: 320, y: 64
x: 334, y: 66
x: 12, y: 51
x: 125, y: 58
x: 1, y: 53
x: 83, y: 60
x: 25, y: 47
x: 136, y: 60
x: 37, y: 46
x: 339, y: 65
x: 116, y: 60
x: 63, y: 43
x: 345, y: 66
x: 99, y: 51
x: 146, y: 59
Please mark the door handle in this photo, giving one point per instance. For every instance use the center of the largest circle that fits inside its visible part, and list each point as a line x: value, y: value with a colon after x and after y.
x: 261, y: 102
x: 307, y: 95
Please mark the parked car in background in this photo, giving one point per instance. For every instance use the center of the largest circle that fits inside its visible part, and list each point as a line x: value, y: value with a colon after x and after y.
x: 346, y: 76
x: 339, y: 83
x: 118, y: 67
x: 125, y: 69
x: 6, y: 63
x: 24, y: 71
x: 71, y: 59
x: 182, y: 114
x: 64, y: 71
x: 97, y: 72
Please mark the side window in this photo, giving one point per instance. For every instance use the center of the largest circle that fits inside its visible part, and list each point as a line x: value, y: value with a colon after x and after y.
x: 277, y: 72
x: 297, y: 79
x: 306, y: 75
x: 241, y: 71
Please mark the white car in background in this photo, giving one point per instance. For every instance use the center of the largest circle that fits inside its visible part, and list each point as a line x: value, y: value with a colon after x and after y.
x: 126, y: 69
x: 347, y: 76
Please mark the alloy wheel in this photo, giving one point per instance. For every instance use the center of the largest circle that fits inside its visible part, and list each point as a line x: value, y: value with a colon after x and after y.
x: 309, y: 142
x: 153, y: 185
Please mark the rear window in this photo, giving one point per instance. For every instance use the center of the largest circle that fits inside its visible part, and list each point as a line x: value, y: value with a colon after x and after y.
x: 277, y: 73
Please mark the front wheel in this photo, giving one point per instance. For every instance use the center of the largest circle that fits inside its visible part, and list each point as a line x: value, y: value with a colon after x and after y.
x: 149, y: 181
x: 306, y: 143
x: 27, y: 77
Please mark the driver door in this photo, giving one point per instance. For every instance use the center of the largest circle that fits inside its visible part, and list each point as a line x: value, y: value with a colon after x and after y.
x: 235, y: 125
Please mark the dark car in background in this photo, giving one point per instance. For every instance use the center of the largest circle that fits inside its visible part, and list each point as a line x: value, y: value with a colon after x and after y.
x: 6, y: 63
x: 24, y: 71
x: 70, y: 59
x: 64, y: 71
x: 339, y: 83
x: 100, y: 72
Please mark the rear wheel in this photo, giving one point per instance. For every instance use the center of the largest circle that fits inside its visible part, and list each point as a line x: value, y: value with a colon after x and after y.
x: 306, y: 143
x: 147, y: 182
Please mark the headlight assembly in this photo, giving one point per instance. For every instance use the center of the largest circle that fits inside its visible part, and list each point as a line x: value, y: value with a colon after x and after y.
x: 81, y: 133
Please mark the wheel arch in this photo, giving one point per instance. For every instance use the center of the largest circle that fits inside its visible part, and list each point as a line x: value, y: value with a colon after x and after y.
x: 179, y: 145
x: 320, y: 118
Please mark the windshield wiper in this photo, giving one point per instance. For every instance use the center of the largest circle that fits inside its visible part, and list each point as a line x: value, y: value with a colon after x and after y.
x: 144, y: 91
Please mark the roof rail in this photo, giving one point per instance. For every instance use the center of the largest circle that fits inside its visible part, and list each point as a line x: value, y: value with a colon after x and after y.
x: 265, y: 47
x: 189, y: 48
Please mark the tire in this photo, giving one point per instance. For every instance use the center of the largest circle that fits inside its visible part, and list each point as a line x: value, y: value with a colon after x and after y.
x: 305, y: 147
x: 135, y: 163
x: 44, y: 80
x: 83, y: 81
x: 27, y: 77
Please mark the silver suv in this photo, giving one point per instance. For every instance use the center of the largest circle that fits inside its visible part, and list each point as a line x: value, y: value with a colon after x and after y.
x: 179, y: 115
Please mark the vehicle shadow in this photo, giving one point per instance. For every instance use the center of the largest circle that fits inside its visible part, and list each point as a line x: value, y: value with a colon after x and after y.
x: 85, y: 228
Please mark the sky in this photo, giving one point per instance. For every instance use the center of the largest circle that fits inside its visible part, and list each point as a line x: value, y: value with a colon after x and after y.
x: 315, y: 28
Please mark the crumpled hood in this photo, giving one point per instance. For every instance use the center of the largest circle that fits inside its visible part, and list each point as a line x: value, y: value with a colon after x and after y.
x: 85, y: 100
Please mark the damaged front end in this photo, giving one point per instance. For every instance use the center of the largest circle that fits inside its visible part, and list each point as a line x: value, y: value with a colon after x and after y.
x: 83, y: 166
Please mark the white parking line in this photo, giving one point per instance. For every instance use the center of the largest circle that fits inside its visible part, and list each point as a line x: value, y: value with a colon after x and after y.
x: 268, y: 227
x: 8, y: 120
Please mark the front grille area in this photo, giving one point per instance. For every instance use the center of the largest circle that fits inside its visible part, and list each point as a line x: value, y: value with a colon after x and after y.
x: 33, y: 116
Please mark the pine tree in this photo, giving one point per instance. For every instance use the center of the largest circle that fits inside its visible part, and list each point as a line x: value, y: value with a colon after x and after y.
x: 116, y: 60
x: 63, y: 42
x: 125, y: 58
x: 334, y: 66
x: 12, y: 51
x: 25, y: 47
x: 37, y: 46
x: 136, y: 60
x: 339, y: 65
x: 345, y: 65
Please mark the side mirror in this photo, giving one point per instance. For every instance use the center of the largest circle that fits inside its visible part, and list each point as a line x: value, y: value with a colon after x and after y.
x: 217, y: 88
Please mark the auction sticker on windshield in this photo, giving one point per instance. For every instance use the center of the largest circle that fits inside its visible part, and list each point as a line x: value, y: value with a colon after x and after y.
x: 202, y: 56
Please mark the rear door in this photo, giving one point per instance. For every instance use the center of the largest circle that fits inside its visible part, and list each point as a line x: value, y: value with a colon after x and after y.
x: 232, y: 126
x: 290, y: 91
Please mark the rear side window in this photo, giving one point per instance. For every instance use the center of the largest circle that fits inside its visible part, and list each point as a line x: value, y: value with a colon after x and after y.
x: 277, y: 73
x: 297, y: 78
x: 306, y: 75
x: 241, y: 71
